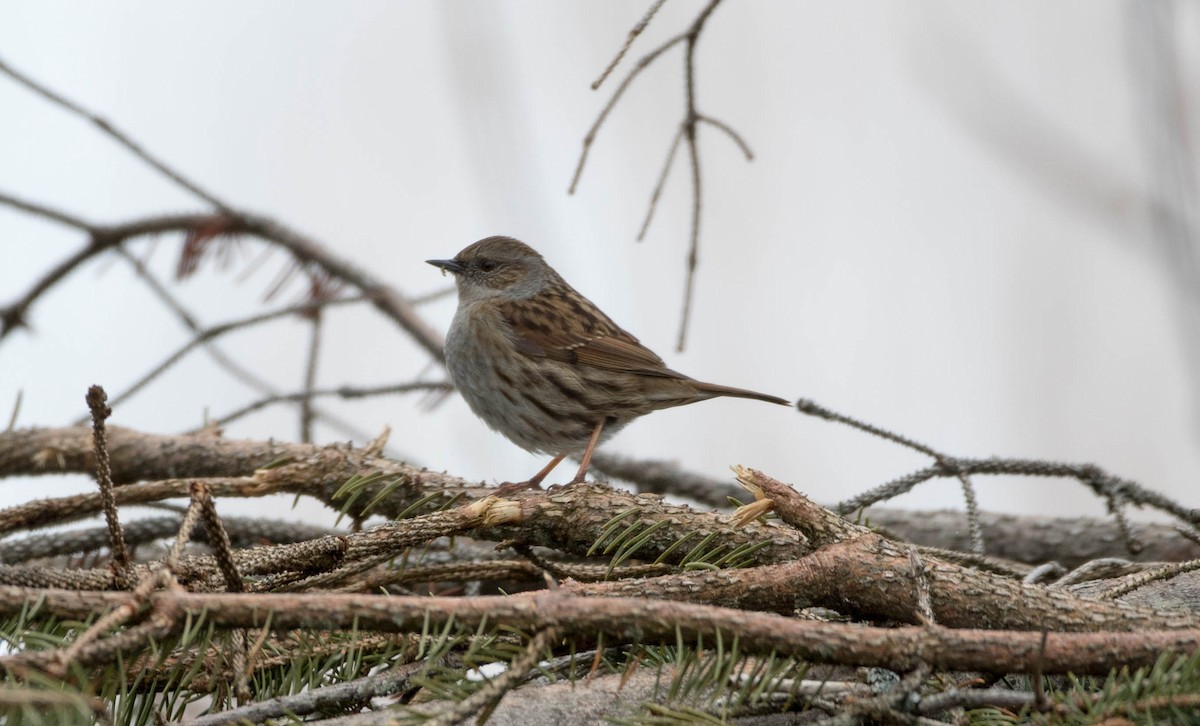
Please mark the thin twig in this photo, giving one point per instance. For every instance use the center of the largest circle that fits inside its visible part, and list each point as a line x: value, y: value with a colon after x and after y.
x: 662, y: 181
x: 339, y: 696
x: 116, y: 616
x: 1115, y: 500
x: 310, y: 377
x: 975, y: 698
x: 485, y: 699
x: 16, y: 410
x: 1141, y: 579
x: 972, y: 504
x: 71, y: 508
x: 207, y: 335
x: 48, y: 213
x: 344, y: 392
x: 12, y: 316
x: 634, y: 32
x: 1116, y: 492
x: 730, y: 132
x: 222, y: 359
x: 97, y: 403
x: 974, y: 521
x: 686, y: 133
x: 882, y: 706
x: 189, y: 321
x: 218, y: 538
x: 811, y: 408
x: 186, y: 527
x: 458, y: 571
x: 638, y: 67
x: 114, y: 133
x: 689, y: 136
x: 243, y: 531
x: 385, y: 298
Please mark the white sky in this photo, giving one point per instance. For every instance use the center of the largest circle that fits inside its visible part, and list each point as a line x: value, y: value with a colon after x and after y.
x: 889, y: 252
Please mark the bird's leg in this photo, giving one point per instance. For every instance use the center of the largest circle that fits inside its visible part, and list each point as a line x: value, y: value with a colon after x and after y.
x: 587, y: 454
x: 535, y: 482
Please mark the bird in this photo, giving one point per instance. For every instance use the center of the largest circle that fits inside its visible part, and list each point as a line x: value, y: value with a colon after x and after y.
x: 541, y: 364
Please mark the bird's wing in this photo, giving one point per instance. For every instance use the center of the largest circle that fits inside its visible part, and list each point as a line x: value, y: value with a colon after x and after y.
x: 563, y: 325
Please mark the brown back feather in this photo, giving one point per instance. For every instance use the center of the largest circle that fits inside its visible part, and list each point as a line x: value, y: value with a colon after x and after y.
x: 560, y: 324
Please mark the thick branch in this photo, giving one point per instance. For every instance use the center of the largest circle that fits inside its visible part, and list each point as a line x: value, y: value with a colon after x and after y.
x: 641, y: 620
x: 871, y: 578
x: 1071, y: 541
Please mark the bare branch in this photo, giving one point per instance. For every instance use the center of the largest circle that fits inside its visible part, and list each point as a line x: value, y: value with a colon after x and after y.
x: 344, y: 392
x: 645, y: 620
x: 310, y: 378
x: 662, y: 181
x: 693, y: 256
x: 347, y: 695
x: 47, y: 213
x: 638, y: 67
x: 305, y: 251
x: 734, y: 135
x: 107, y: 128
x: 634, y: 32
x: 687, y: 133
x: 207, y: 335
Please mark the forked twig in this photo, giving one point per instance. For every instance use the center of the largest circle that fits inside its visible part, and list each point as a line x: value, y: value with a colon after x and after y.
x: 634, y: 32
x: 1116, y: 491
x: 686, y: 133
x: 324, y: 269
x: 972, y: 503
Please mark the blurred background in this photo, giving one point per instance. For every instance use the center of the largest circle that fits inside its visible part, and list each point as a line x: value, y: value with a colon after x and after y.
x: 970, y: 223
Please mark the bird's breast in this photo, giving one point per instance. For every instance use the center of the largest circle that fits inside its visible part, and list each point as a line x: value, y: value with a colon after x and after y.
x: 477, y: 332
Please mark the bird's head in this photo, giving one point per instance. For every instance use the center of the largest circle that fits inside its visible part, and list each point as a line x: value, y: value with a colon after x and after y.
x: 497, y: 267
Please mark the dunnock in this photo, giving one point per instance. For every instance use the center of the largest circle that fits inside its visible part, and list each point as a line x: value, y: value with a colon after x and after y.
x: 541, y: 364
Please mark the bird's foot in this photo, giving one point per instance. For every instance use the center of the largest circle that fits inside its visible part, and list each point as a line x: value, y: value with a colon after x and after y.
x: 509, y: 487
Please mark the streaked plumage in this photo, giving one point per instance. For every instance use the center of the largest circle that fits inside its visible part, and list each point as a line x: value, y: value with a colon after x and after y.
x: 542, y: 365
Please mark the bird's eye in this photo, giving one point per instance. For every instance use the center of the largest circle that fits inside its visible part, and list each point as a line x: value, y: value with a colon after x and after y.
x: 487, y: 265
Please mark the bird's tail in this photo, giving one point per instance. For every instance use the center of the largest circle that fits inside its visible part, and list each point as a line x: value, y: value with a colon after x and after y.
x: 718, y: 390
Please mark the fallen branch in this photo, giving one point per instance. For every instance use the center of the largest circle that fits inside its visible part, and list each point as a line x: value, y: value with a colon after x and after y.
x: 643, y: 620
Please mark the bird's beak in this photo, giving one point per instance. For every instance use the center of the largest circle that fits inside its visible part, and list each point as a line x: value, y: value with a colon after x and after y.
x: 446, y: 265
